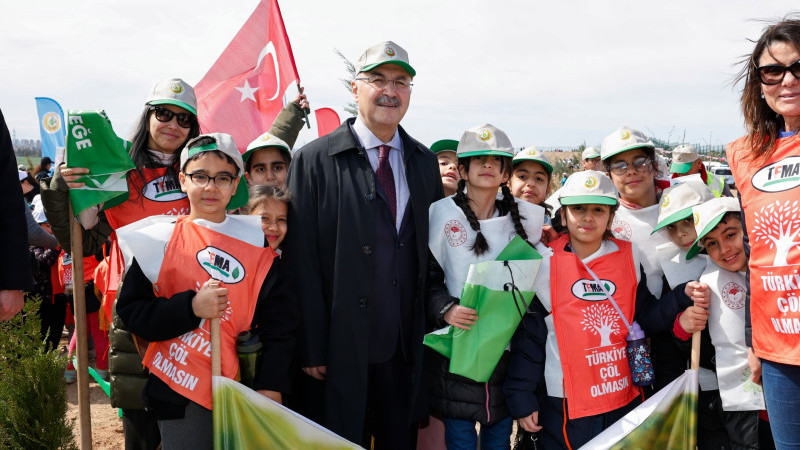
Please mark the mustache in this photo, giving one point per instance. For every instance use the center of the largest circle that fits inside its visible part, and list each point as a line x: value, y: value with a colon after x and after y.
x: 385, y: 100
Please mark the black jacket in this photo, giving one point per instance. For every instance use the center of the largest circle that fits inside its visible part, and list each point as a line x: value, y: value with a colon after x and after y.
x: 329, y: 249
x: 15, y: 271
x: 158, y: 319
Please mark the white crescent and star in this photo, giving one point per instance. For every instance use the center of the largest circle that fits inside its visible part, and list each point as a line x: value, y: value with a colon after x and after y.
x: 247, y: 91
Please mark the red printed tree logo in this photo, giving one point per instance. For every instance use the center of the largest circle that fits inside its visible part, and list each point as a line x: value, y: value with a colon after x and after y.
x: 601, y: 319
x: 778, y: 225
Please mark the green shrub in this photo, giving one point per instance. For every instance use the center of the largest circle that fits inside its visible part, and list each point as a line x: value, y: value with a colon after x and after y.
x: 33, y: 396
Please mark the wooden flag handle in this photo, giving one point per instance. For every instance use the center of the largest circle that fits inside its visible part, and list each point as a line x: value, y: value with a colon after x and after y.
x: 216, y: 349
x: 695, y: 360
x: 79, y: 300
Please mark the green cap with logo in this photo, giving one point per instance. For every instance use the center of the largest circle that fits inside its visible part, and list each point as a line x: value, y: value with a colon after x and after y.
x: 622, y: 140
x: 222, y: 143
x: 707, y: 216
x: 174, y: 91
x: 677, y: 202
x: 531, y: 154
x: 444, y: 145
x: 588, y: 187
x: 384, y: 53
x: 264, y: 141
x: 484, y: 139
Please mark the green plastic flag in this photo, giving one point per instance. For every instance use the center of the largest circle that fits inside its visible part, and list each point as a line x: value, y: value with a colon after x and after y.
x: 92, y: 143
x: 245, y: 419
x: 474, y: 353
x: 667, y: 420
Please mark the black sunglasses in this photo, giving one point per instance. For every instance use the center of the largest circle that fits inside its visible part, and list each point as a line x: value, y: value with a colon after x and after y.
x: 185, y: 120
x: 773, y: 74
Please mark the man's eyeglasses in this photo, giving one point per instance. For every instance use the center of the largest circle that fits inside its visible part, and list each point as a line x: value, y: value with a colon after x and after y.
x: 185, y: 120
x: 773, y: 74
x: 222, y: 180
x: 381, y: 83
x: 641, y: 164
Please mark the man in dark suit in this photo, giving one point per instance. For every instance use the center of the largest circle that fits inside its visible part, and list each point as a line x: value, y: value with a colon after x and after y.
x: 15, y: 267
x: 359, y: 246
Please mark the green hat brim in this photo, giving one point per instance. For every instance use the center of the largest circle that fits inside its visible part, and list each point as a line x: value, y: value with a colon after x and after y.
x: 402, y: 64
x: 507, y: 154
x: 246, y: 155
x: 241, y: 196
x: 696, y: 247
x: 625, y: 149
x: 680, y: 167
x: 444, y: 145
x: 672, y: 218
x: 176, y: 103
x: 587, y: 200
x: 548, y: 167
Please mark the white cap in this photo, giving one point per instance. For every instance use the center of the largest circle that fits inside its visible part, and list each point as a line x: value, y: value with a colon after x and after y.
x: 590, y: 153
x: 223, y: 143
x: 22, y: 175
x: 384, y: 53
x: 484, y: 139
x: 622, y: 140
x: 174, y: 91
x: 683, y: 156
x: 588, y: 187
x: 38, y: 210
x: 531, y: 154
x: 677, y: 202
x: 266, y: 140
x: 707, y: 216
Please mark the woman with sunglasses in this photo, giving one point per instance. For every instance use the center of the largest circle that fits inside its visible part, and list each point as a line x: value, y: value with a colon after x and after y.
x: 168, y: 121
x: 765, y: 164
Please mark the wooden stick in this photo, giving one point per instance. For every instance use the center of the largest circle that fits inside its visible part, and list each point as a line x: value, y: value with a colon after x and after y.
x: 695, y: 361
x: 216, y: 349
x: 79, y: 300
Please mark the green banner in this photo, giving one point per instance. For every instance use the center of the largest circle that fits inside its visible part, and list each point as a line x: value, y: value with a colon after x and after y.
x: 245, y: 419
x: 92, y: 143
x: 474, y: 353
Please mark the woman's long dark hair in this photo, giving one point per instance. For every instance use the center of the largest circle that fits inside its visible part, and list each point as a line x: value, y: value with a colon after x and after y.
x: 141, y: 156
x: 507, y: 205
x: 762, y: 123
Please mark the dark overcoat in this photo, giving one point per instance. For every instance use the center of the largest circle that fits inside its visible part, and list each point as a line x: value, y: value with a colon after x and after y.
x: 329, y: 247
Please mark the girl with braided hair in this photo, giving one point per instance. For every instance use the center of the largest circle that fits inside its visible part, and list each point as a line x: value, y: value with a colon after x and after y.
x: 471, y: 227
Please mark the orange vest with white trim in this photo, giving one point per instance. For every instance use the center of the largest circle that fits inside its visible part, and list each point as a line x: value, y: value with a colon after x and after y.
x: 193, y: 255
x: 591, y: 335
x: 770, y: 192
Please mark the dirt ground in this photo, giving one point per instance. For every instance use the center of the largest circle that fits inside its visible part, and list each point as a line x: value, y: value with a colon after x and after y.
x: 106, y: 424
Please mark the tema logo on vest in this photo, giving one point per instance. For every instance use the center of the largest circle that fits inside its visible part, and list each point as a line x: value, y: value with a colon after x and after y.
x: 163, y: 189
x: 220, y: 265
x: 590, y: 290
x: 778, y: 176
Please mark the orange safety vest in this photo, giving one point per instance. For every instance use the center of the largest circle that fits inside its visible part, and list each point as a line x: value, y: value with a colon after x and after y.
x: 590, y: 334
x: 193, y: 255
x: 770, y: 191
x: 65, y: 268
x: 157, y: 196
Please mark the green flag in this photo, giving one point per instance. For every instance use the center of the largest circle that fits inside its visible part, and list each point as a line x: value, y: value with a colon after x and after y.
x: 667, y: 420
x: 245, y: 419
x: 474, y: 353
x: 92, y: 143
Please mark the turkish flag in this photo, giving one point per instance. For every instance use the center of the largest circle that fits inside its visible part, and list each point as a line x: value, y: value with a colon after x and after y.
x: 327, y: 120
x: 242, y: 93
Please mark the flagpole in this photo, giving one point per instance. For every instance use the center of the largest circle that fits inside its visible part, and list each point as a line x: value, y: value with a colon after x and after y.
x: 79, y: 300
x: 291, y: 57
x: 216, y: 348
x: 305, y: 113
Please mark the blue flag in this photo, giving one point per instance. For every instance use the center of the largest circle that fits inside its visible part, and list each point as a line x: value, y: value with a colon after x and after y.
x: 51, y: 125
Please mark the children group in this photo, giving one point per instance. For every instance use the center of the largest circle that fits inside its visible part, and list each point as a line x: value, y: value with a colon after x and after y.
x: 623, y: 251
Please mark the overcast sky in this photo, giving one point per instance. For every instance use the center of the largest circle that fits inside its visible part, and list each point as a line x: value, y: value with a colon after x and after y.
x: 548, y: 73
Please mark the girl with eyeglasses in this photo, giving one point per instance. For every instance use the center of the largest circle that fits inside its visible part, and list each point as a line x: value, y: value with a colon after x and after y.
x: 765, y: 164
x: 167, y: 122
x: 629, y: 159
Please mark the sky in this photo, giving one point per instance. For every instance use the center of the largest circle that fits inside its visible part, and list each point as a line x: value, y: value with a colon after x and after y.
x: 549, y: 74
